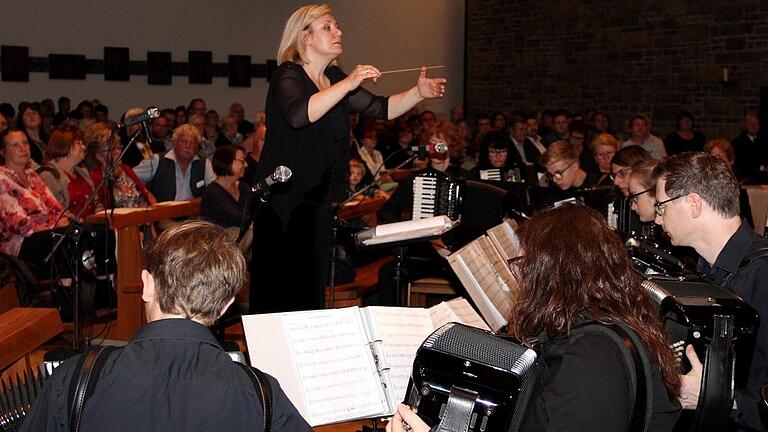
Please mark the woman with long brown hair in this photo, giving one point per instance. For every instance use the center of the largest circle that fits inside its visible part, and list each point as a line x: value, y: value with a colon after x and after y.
x: 574, y: 272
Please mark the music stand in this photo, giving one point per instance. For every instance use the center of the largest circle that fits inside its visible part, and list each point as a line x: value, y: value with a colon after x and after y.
x: 400, y: 241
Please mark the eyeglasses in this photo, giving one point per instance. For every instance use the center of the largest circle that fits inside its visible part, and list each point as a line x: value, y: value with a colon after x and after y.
x: 558, y: 175
x: 660, y: 207
x: 620, y: 174
x: 633, y: 196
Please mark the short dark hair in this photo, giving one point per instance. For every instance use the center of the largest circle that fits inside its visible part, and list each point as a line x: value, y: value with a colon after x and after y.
x: 197, y: 269
x: 703, y: 174
x: 101, y: 108
x: 3, y: 135
x: 222, y: 159
x: 638, y: 117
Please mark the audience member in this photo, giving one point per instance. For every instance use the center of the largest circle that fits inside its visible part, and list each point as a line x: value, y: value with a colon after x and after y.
x: 721, y: 149
x: 68, y: 180
x: 225, y: 199
x: 159, y: 143
x: 207, y: 147
x: 27, y: 206
x: 561, y: 119
x: 228, y: 133
x: 178, y: 174
x: 197, y: 106
x: 181, y: 115
x: 29, y: 121
x: 244, y: 127
x: 684, y: 138
x: 127, y: 190
x: 64, y: 104
x: 751, y: 151
x: 640, y: 135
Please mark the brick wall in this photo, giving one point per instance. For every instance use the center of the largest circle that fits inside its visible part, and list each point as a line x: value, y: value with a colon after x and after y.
x: 620, y: 56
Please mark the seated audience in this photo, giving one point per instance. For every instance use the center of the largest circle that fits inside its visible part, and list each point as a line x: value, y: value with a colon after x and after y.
x: 179, y: 174
x: 640, y: 135
x: 225, y: 199
x: 751, y: 152
x: 28, y: 209
x: 584, y: 381
x: 684, y: 138
x: 30, y: 122
x: 69, y: 181
x: 228, y: 133
x: 373, y: 158
x: 127, y: 190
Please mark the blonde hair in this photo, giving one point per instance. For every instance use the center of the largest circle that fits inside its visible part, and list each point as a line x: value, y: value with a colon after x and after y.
x: 96, y: 137
x: 557, y: 151
x: 292, y: 46
x: 607, y: 140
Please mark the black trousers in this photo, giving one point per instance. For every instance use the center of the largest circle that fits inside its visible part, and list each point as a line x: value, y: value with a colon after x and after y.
x: 289, y: 265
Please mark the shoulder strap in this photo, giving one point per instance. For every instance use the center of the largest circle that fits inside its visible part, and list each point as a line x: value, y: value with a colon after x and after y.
x: 86, y: 382
x: 263, y: 389
x: 629, y: 342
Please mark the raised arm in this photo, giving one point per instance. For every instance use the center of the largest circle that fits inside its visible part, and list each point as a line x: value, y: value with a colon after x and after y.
x: 425, y: 88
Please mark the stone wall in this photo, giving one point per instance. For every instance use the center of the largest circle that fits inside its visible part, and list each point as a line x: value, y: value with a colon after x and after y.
x: 655, y: 57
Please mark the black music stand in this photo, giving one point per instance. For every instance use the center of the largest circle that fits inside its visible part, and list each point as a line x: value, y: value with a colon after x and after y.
x: 399, y: 249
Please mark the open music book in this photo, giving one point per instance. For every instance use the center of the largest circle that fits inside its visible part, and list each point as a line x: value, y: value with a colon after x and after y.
x: 407, y: 230
x: 483, y: 268
x: 344, y: 364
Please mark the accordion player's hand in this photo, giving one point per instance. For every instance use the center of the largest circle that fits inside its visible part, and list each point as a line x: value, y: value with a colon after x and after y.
x: 690, y: 383
x: 406, y: 420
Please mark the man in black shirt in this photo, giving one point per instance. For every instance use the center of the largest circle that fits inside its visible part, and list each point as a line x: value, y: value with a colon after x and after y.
x: 173, y: 375
x: 697, y: 204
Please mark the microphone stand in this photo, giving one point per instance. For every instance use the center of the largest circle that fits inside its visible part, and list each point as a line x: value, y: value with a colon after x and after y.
x: 336, y: 222
x: 74, y: 232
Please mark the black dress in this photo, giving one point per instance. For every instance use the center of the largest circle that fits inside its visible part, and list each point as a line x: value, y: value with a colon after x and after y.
x: 293, y: 231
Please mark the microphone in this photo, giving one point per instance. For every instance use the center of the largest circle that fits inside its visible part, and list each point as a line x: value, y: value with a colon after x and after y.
x: 281, y: 175
x: 150, y: 113
x: 422, y: 150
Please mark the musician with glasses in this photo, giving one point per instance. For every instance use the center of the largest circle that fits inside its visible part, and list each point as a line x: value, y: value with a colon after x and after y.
x: 697, y: 204
x: 567, y: 181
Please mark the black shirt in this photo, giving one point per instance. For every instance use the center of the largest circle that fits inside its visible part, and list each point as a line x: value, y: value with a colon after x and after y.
x: 585, y: 385
x: 751, y: 284
x: 221, y: 208
x: 171, y: 376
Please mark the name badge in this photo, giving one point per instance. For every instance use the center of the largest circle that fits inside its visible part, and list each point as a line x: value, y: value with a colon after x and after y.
x: 200, y: 184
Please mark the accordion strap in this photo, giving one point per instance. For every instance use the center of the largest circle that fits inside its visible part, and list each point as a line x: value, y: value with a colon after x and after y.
x: 458, y: 411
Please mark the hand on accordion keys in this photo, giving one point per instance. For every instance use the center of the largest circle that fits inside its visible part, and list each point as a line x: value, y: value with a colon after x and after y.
x: 690, y: 383
x: 406, y: 420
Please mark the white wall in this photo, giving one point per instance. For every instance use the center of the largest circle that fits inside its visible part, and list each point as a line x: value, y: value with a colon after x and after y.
x: 389, y: 34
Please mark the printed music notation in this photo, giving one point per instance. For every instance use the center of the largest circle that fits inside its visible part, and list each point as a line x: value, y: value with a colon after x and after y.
x: 401, y: 331
x: 342, y: 364
x: 505, y: 239
x: 334, y: 364
x: 487, y: 278
x: 456, y: 310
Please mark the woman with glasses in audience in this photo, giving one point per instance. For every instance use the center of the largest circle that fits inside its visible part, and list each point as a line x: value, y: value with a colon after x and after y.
x: 70, y: 182
x: 127, y: 190
x: 224, y: 200
x: 584, y: 382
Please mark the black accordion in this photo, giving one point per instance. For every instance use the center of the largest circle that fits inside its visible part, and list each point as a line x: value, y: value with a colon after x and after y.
x: 465, y: 373
x: 689, y: 309
x: 435, y: 194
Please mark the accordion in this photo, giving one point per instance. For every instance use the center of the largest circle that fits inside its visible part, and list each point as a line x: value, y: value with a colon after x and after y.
x: 491, y: 377
x: 435, y: 194
x: 688, y: 310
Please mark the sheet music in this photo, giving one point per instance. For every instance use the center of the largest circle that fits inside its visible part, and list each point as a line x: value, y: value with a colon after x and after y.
x: 456, y: 310
x: 335, y: 366
x: 437, y: 222
x: 487, y: 278
x: 505, y: 239
x: 401, y: 331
